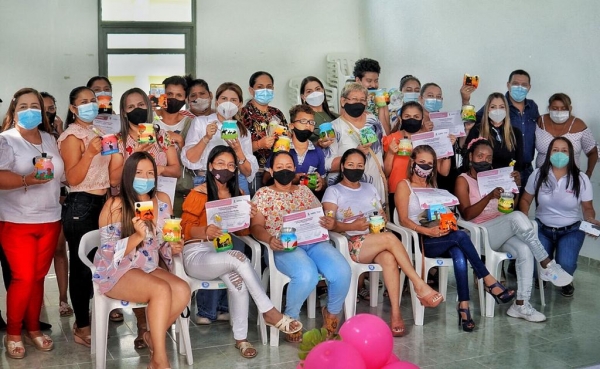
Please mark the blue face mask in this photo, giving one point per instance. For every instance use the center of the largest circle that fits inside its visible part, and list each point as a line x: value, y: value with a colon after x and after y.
x: 142, y: 185
x: 87, y: 112
x: 433, y: 105
x: 29, y: 119
x: 263, y: 96
x: 410, y: 96
x: 518, y: 93
x: 559, y: 159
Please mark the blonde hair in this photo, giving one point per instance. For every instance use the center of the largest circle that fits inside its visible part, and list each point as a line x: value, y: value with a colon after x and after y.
x: 354, y: 86
x: 485, y: 132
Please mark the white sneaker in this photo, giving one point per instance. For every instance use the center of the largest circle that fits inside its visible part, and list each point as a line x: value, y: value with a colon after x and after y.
x: 200, y: 320
x: 525, y: 311
x: 556, y: 274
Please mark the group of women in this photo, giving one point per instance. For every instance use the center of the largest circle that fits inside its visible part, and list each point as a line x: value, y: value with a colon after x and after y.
x: 354, y: 181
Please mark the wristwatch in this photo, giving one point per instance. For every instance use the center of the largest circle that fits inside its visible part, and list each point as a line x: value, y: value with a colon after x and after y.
x: 241, y: 162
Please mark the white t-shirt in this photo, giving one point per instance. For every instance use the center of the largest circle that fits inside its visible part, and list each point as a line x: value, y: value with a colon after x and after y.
x: 198, y: 131
x: 40, y: 203
x: 177, y: 128
x: 352, y: 202
x: 557, y: 205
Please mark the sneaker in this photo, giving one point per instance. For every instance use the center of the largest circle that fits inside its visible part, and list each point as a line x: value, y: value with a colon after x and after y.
x: 568, y: 290
x: 556, y: 274
x: 200, y: 320
x: 525, y: 311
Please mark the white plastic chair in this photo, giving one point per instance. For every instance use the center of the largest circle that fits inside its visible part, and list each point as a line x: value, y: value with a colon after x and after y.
x: 340, y: 67
x: 294, y: 91
x: 493, y: 260
x: 102, y: 305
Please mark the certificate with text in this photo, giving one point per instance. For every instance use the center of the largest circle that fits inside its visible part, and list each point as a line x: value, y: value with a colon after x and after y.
x: 439, y: 140
x: 490, y: 179
x: 308, y: 228
x: 450, y: 120
x: 434, y: 196
x: 108, y: 123
x: 232, y: 214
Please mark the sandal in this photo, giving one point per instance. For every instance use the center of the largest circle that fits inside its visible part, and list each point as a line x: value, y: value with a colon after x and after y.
x: 398, y: 330
x: 148, y: 341
x: 329, y: 322
x: 116, y: 316
x: 42, y: 343
x: 503, y: 296
x: 139, y: 343
x: 294, y: 337
x: 364, y: 294
x: 65, y: 309
x: 82, y: 340
x: 432, y: 300
x: 246, y: 349
x: 14, y: 349
x: 467, y: 324
x: 284, y: 325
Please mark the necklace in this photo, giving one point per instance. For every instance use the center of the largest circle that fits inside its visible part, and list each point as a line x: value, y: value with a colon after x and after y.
x: 34, y: 145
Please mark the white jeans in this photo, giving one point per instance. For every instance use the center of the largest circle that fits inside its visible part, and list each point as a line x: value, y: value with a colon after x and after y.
x: 201, y: 261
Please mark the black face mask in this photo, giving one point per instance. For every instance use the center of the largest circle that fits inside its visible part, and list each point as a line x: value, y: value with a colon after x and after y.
x: 355, y: 110
x: 411, y: 125
x: 137, y: 116
x: 174, y: 105
x: 284, y: 176
x: 51, y: 117
x: 481, y: 166
x: 302, y: 135
x: 222, y: 175
x: 353, y: 175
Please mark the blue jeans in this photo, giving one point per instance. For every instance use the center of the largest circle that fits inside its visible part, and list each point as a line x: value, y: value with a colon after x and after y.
x: 459, y: 247
x: 563, y: 245
x: 242, y: 182
x: 303, y: 267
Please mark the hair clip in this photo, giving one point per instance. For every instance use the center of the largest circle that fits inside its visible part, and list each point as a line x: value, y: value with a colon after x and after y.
x: 476, y: 140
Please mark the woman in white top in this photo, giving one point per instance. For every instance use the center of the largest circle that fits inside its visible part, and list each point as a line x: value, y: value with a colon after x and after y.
x: 205, y: 134
x: 29, y: 215
x: 562, y: 193
x: 559, y: 122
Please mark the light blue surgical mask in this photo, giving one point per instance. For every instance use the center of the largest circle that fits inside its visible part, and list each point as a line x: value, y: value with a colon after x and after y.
x: 433, y: 105
x: 143, y: 185
x: 518, y: 93
x: 87, y: 112
x: 410, y: 96
x: 559, y: 160
x: 263, y: 96
x: 29, y: 119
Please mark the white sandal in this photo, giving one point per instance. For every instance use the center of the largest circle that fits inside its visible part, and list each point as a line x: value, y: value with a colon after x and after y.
x: 11, y: 348
x: 284, y: 325
x: 38, y: 342
x: 244, y: 347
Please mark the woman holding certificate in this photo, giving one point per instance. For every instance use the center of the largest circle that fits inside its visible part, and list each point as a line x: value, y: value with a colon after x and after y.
x: 304, y: 263
x: 353, y: 202
x: 444, y: 243
x: 202, y: 261
x: 512, y: 233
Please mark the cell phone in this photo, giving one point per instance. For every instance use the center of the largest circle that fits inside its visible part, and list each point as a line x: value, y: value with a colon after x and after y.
x: 144, y: 210
x: 469, y: 80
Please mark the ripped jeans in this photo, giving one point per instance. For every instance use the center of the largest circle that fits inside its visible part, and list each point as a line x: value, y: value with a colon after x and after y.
x: 201, y: 261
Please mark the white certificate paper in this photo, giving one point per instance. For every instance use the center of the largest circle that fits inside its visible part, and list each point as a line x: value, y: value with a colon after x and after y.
x: 232, y: 214
x: 108, y: 123
x: 434, y: 196
x: 450, y: 120
x: 167, y: 185
x: 438, y: 140
x: 490, y: 179
x: 308, y: 229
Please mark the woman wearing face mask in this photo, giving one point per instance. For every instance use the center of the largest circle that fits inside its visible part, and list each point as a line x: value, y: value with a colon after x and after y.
x: 199, y: 97
x: 430, y: 96
x: 173, y: 118
x: 128, y: 261
x: 29, y: 216
x: 438, y: 243
x: 256, y: 115
x: 102, y: 87
x: 89, y: 175
x: 563, y: 196
x: 304, y: 264
x: 495, y: 127
x: 511, y: 233
x: 56, y: 123
x: 559, y: 122
x: 203, y: 262
x: 410, y: 86
x: 349, y: 198
x: 312, y: 93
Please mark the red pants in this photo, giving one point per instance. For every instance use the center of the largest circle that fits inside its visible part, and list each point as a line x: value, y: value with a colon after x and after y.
x: 29, y: 249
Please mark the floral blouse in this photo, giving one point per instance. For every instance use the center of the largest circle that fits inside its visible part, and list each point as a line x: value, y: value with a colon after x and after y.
x: 111, y: 262
x: 257, y: 122
x: 273, y: 205
x: 158, y: 150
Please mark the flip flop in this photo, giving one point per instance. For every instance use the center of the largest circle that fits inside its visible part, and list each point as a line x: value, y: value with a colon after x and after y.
x: 284, y: 325
x: 244, y: 347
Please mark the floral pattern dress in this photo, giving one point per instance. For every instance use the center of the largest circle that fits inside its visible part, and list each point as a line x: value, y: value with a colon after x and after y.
x: 112, y: 263
x: 257, y: 122
x: 158, y: 150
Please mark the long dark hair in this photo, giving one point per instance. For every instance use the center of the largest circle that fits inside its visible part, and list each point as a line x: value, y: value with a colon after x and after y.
x: 211, y: 184
x: 124, y: 119
x: 128, y: 195
x: 9, y: 118
x: 345, y: 157
x: 410, y: 104
x: 325, y: 105
x: 475, y: 143
x: 91, y: 81
x: 572, y: 170
x: 72, y: 97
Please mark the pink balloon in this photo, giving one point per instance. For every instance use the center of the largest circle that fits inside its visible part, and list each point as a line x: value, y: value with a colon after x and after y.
x: 371, y: 337
x: 401, y: 365
x: 334, y: 355
x: 392, y: 359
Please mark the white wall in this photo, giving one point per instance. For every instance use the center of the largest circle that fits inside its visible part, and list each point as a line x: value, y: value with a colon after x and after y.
x: 50, y: 45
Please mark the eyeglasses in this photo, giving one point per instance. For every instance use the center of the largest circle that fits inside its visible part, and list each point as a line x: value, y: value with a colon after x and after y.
x: 354, y: 101
x: 305, y: 122
x: 221, y: 164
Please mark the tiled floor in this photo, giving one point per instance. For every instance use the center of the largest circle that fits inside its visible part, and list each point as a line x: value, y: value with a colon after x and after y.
x: 568, y: 339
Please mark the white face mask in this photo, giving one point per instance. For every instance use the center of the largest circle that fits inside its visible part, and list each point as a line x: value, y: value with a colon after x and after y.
x: 227, y: 109
x: 559, y: 117
x: 200, y: 104
x: 315, y: 98
x: 497, y: 115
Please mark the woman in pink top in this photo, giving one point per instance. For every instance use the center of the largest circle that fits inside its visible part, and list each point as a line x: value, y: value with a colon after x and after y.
x: 89, y: 175
x: 131, y: 248
x: 512, y: 233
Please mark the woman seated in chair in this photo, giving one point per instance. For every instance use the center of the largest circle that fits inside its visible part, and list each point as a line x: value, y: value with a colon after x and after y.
x: 512, y: 233
x: 304, y: 264
x: 127, y: 261
x: 201, y: 261
x: 444, y: 243
x: 353, y: 202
